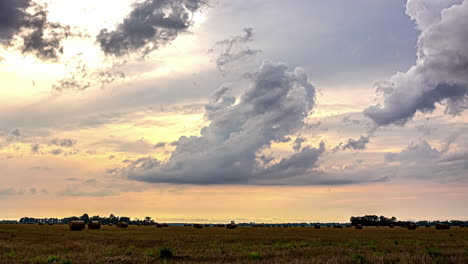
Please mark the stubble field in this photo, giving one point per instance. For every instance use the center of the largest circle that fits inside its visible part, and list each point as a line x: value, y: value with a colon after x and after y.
x: 56, y: 244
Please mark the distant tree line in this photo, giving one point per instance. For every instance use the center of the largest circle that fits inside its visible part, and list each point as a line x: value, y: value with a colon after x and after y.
x: 111, y: 219
x: 374, y: 220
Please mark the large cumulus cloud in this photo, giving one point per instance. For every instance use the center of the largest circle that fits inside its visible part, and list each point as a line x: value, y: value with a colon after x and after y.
x: 229, y: 149
x: 441, y: 71
x: 150, y: 25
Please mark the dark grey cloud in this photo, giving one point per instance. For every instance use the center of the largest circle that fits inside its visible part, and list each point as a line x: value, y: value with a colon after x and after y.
x: 298, y: 143
x: 150, y: 25
x: 354, y: 144
x: 35, y: 149
x: 56, y: 152
x: 159, y: 145
x: 24, y: 25
x: 440, y: 74
x: 16, y: 132
x: 234, y: 49
x: 12, y: 16
x: 64, y: 142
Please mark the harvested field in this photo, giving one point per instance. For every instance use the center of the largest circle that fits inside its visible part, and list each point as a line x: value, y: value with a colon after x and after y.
x: 148, y: 244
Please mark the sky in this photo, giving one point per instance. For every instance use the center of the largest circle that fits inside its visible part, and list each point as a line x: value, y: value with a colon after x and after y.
x: 246, y: 110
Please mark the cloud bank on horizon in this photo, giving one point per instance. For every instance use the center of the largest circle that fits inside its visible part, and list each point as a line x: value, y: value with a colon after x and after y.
x: 440, y: 73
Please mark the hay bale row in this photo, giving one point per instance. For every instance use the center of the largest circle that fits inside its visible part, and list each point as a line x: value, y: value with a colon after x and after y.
x: 220, y: 225
x: 337, y: 226
x: 317, y: 226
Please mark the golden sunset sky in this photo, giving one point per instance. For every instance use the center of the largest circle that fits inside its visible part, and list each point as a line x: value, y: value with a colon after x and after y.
x: 255, y: 111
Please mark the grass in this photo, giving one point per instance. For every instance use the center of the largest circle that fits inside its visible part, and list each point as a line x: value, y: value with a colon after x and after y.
x: 255, y: 256
x: 55, y: 244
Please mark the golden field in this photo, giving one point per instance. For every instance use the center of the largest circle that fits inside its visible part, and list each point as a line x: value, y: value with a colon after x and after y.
x: 148, y: 244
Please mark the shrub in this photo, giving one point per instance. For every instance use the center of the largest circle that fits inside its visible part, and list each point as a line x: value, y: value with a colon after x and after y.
x: 165, y: 253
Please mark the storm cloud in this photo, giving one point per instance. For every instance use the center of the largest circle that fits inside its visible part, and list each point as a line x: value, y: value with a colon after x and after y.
x: 228, y: 150
x: 440, y: 74
x: 150, y: 25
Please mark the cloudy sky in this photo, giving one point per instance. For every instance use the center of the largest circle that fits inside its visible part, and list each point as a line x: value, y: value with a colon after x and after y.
x: 247, y: 110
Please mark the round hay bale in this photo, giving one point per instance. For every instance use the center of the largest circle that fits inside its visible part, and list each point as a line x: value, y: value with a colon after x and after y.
x: 50, y: 223
x: 40, y: 224
x: 220, y: 225
x: 337, y: 226
x: 391, y: 226
x: 317, y: 226
x: 77, y: 225
x: 165, y: 225
x: 442, y: 227
x: 159, y: 226
x: 231, y: 226
x: 358, y: 226
x: 198, y: 226
x: 207, y: 225
x: 122, y: 225
x: 411, y: 226
x: 95, y: 225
